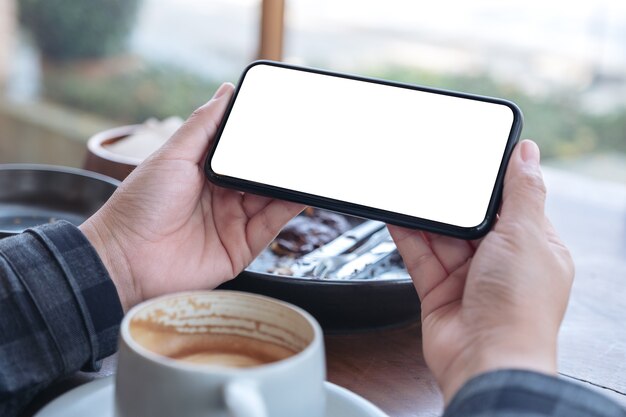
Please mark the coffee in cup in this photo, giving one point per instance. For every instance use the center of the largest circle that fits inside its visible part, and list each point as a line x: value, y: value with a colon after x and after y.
x: 207, y: 348
x: 221, y: 353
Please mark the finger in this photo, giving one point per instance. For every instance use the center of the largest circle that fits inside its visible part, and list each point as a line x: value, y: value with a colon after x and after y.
x: 452, y: 253
x: 266, y: 223
x: 192, y: 140
x: 524, y: 195
x: 448, y: 291
x: 423, y: 266
x: 253, y: 203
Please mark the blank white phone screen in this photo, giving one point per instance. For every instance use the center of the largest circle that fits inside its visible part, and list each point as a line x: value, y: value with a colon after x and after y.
x: 421, y: 154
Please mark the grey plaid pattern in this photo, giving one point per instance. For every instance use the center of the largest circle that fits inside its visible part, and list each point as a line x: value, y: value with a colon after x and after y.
x: 59, y: 311
x: 516, y: 393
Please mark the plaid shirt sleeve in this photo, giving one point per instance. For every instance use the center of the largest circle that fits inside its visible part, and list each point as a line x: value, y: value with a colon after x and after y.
x: 516, y: 393
x: 59, y: 311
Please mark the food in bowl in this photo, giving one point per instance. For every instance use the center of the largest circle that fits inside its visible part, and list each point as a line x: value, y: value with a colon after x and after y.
x: 308, y: 231
x: 320, y: 244
x: 377, y: 293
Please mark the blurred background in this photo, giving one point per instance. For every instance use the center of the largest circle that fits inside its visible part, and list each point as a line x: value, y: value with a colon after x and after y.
x: 71, y: 68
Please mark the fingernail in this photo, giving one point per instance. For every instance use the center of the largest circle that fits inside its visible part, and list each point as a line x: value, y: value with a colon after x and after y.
x: 221, y: 91
x: 530, y: 152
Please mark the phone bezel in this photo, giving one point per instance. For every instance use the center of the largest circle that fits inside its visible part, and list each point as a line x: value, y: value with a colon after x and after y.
x: 365, y: 211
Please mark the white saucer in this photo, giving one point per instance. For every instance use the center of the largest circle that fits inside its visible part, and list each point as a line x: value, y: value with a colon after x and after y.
x: 82, y: 401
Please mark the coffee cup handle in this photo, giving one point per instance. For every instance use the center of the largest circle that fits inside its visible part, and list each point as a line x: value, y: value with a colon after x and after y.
x: 243, y: 399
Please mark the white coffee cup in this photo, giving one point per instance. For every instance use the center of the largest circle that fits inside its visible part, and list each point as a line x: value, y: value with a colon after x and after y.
x: 219, y: 353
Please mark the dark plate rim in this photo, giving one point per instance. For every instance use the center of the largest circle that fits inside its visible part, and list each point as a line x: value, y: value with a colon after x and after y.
x: 299, y: 280
x: 59, y: 169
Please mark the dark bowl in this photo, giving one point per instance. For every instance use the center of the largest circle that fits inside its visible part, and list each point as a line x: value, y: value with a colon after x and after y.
x: 339, y: 306
x: 387, y: 298
x: 32, y: 195
x: 382, y: 296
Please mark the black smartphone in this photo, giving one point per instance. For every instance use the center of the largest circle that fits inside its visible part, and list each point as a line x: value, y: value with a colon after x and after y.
x: 408, y: 155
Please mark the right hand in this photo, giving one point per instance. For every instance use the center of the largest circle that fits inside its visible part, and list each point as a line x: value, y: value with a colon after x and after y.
x: 496, y: 303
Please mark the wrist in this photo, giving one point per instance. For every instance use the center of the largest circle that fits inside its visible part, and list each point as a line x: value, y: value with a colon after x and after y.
x: 113, y: 257
x: 514, y: 353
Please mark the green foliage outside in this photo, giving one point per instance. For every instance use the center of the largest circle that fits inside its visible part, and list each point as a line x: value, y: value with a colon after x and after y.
x: 68, y: 29
x: 557, y: 123
x: 131, y: 96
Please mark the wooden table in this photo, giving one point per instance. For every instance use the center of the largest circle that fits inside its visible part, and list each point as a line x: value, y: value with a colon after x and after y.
x: 387, y: 366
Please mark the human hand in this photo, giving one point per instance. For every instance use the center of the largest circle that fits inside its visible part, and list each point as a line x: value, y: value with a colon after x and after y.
x: 498, y: 302
x: 168, y: 229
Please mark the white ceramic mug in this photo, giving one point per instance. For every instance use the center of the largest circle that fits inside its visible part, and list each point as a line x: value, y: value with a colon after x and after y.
x: 180, y: 354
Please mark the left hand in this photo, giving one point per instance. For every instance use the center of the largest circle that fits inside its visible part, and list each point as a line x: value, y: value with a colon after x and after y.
x: 168, y: 229
x: 496, y: 303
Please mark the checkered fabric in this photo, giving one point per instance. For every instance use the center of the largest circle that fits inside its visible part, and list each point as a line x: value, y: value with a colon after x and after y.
x: 59, y: 311
x: 513, y: 393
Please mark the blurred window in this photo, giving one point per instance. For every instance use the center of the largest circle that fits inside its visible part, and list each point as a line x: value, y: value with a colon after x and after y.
x: 563, y: 62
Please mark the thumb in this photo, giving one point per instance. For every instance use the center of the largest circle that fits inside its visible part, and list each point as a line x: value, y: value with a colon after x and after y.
x: 191, y: 141
x: 524, y: 194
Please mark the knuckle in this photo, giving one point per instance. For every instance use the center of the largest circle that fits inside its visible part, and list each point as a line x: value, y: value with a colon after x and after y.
x: 534, y: 181
x: 198, y: 113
